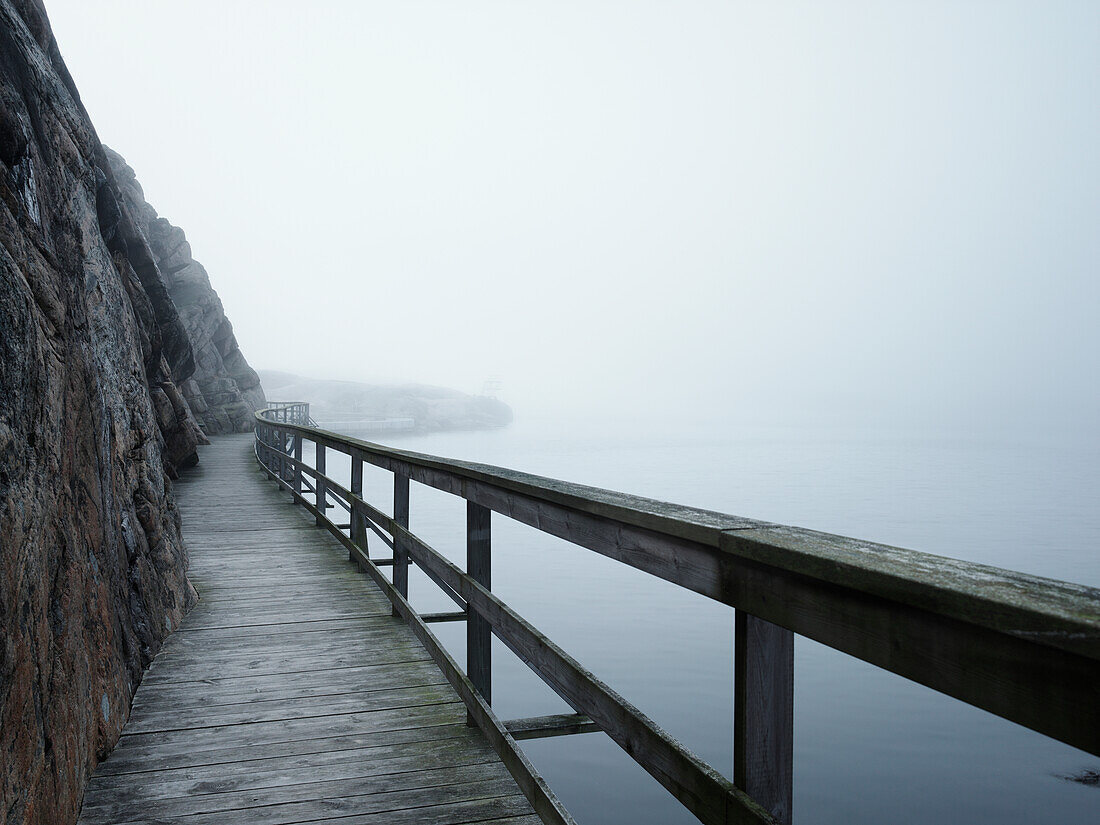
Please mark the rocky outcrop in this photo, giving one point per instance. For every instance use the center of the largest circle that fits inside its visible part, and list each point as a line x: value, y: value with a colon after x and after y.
x: 100, y: 363
x: 224, y: 392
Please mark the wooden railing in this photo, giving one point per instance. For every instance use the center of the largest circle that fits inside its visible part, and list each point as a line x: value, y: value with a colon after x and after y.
x: 1023, y: 647
x: 289, y: 412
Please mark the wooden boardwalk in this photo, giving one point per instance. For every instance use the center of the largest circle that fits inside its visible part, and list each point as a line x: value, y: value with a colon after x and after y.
x: 290, y: 694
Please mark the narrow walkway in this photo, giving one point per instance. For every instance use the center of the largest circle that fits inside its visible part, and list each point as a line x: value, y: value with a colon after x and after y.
x: 290, y: 694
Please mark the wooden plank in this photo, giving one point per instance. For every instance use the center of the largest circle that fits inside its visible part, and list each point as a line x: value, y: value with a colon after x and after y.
x: 345, y: 595
x: 453, y: 616
x: 139, y: 758
x: 314, y: 800
x: 184, y: 666
x: 254, y: 618
x: 251, y: 616
x: 561, y: 724
x: 285, y: 629
x: 453, y: 811
x: 274, y: 772
x: 234, y: 690
x: 161, y: 714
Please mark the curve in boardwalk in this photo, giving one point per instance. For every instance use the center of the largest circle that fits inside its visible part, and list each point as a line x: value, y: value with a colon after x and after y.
x: 290, y: 693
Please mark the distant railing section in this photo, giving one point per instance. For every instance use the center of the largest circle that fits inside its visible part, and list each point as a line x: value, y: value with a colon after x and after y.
x: 289, y: 412
x: 1022, y: 647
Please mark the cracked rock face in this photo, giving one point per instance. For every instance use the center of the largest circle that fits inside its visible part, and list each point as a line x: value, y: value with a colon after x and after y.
x: 110, y: 358
x: 224, y: 392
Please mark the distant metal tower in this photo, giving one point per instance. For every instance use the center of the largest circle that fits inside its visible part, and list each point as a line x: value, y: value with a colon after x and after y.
x: 491, y: 388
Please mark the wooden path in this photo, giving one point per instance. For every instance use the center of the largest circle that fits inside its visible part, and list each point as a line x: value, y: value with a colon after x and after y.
x: 290, y: 694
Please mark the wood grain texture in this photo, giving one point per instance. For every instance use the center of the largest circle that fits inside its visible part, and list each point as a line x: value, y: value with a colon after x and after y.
x: 291, y: 693
x: 479, y: 651
x: 763, y: 724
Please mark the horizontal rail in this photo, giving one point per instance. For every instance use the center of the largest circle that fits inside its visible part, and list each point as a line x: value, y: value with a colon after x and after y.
x: 538, y: 727
x: 453, y: 616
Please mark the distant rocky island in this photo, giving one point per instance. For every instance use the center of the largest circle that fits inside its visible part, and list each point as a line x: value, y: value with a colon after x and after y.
x: 369, y: 409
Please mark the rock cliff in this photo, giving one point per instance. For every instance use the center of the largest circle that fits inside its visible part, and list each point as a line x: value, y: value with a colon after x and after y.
x: 224, y: 390
x: 97, y: 358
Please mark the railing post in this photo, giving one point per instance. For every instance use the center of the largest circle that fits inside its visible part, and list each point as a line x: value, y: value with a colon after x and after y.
x: 298, y: 466
x: 322, y: 490
x: 358, y: 526
x: 479, y: 653
x: 280, y: 465
x: 400, y: 554
x: 281, y: 446
x: 267, y: 448
x: 763, y: 725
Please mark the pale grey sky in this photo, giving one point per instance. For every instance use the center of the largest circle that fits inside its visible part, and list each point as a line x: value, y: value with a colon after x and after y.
x: 839, y: 211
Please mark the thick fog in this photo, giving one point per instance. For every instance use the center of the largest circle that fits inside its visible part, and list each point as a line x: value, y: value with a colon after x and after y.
x: 870, y: 213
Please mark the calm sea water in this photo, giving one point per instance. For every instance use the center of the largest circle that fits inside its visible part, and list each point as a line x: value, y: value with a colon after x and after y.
x: 869, y: 746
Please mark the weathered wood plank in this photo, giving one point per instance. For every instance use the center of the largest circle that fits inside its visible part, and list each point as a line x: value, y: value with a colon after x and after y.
x: 295, y: 659
x: 309, y: 651
x: 159, y: 714
x: 479, y: 650
x: 256, y: 774
x: 137, y: 758
x: 316, y: 800
x: 401, y: 516
x: 450, y: 812
x: 231, y: 691
x: 561, y: 724
x: 203, y: 636
x: 763, y: 724
x: 319, y: 463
